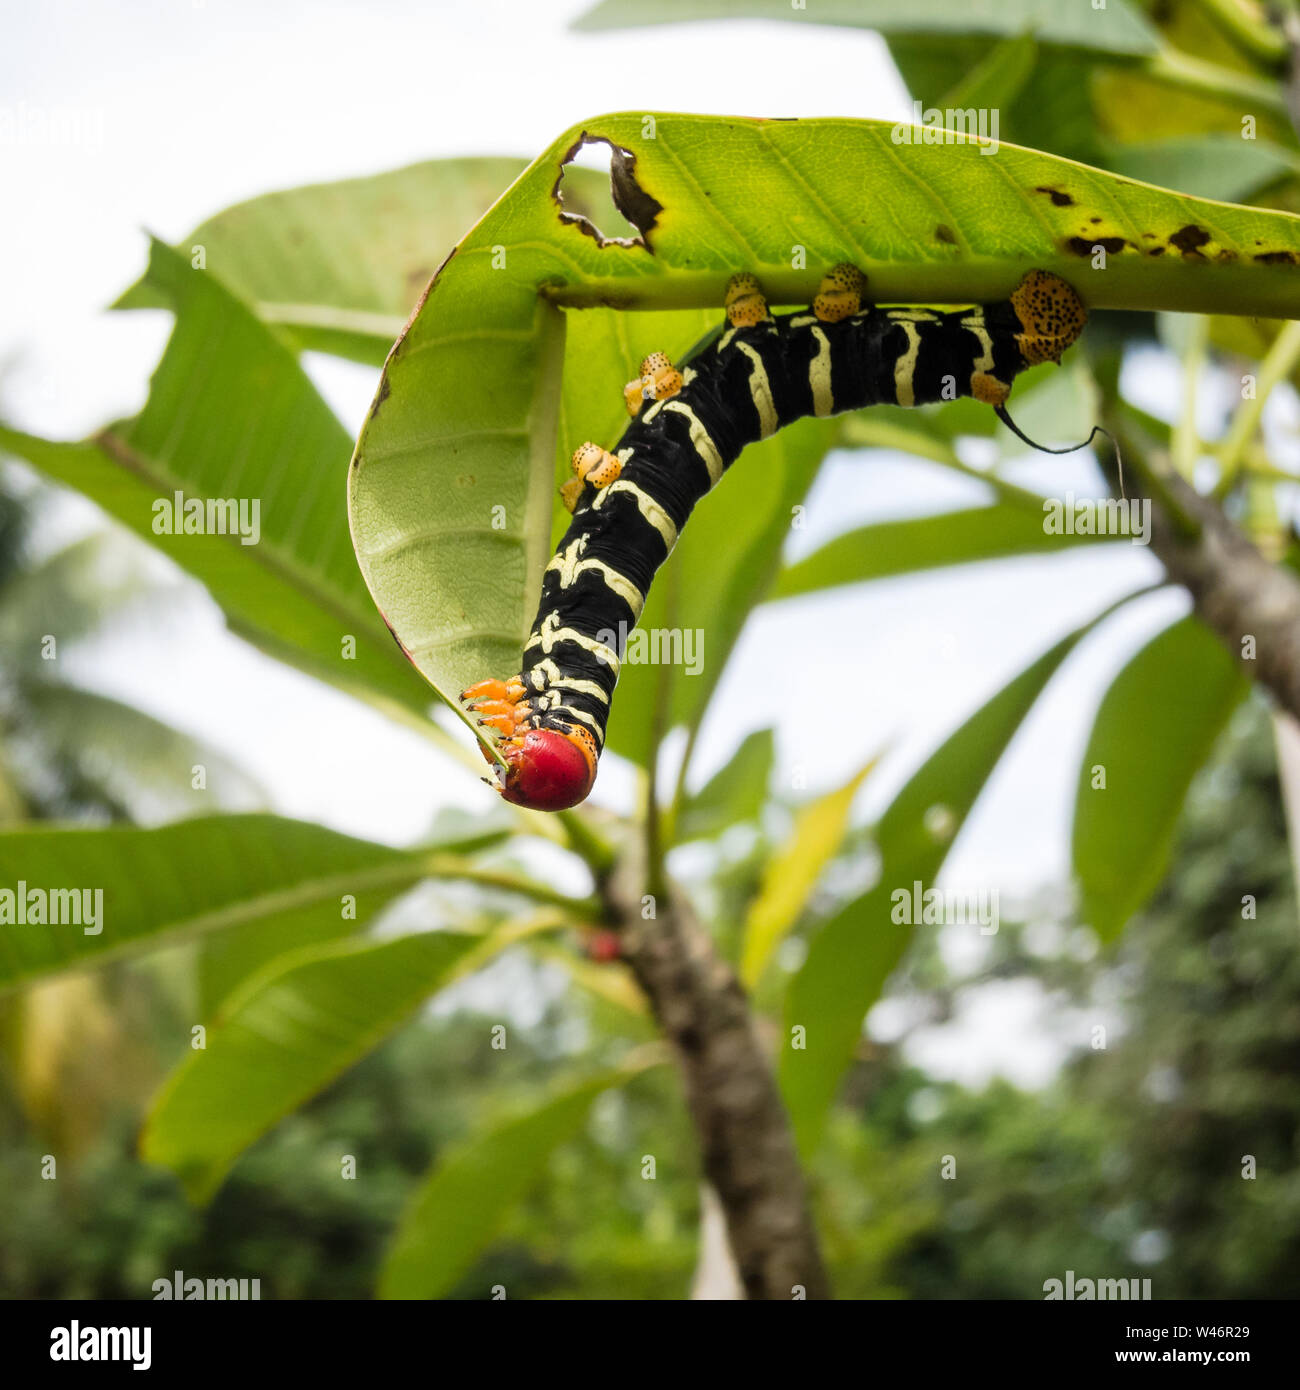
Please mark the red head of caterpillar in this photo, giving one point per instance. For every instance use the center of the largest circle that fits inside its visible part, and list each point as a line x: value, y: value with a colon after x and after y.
x: 548, y: 769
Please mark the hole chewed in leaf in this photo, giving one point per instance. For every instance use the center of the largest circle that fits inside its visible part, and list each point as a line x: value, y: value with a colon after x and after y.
x: 576, y: 196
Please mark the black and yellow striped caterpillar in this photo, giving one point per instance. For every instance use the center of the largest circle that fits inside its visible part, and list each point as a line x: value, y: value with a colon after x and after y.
x: 630, y: 505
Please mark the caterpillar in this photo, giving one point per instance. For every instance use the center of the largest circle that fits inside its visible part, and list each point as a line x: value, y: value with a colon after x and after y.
x: 689, y: 425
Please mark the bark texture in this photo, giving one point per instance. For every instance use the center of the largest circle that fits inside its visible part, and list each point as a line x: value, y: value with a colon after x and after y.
x: 1237, y: 591
x: 747, y: 1145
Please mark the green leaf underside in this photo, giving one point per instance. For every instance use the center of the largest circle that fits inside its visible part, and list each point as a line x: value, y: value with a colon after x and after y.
x: 853, y: 954
x: 1156, y: 726
x: 285, y: 1035
x: 451, y: 493
x: 459, y: 1209
x: 231, y: 415
x: 177, y: 882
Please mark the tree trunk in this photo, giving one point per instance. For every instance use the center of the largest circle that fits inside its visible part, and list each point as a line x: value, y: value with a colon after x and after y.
x: 747, y: 1146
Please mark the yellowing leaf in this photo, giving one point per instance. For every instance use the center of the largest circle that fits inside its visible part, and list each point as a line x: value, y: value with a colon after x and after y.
x: 793, y: 873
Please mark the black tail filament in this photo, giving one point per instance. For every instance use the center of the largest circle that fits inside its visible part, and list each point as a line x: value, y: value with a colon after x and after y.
x: 1001, y: 412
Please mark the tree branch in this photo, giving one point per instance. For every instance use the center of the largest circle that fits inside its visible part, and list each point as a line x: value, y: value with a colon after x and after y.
x: 1236, y: 590
x: 748, y: 1149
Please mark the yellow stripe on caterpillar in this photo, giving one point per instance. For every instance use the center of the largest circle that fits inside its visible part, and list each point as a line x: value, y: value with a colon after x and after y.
x: 905, y: 367
x: 554, y: 679
x: 586, y: 719
x: 819, y: 376
x: 568, y: 564
x: 700, y: 441
x: 760, y: 390
x: 648, y: 507
x: 550, y: 632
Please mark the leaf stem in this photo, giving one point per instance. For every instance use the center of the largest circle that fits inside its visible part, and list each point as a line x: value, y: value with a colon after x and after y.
x: 1185, y: 443
x: 1281, y: 360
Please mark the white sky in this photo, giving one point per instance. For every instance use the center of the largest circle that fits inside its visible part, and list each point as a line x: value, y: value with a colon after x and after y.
x: 187, y: 106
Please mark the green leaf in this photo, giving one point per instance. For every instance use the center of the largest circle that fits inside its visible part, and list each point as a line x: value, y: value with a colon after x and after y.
x: 175, y: 883
x: 451, y: 485
x: 339, y: 266
x: 736, y: 792
x: 1053, y: 108
x: 1155, y: 728
x: 888, y: 548
x: 792, y: 874
x: 998, y: 79
x: 1118, y: 28
x: 283, y: 1037
x: 231, y: 414
x: 459, y: 1209
x: 229, y: 957
x: 1208, y: 166
x: 854, y: 953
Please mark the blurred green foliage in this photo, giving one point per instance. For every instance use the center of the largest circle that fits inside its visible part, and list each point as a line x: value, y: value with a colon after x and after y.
x: 1128, y: 1164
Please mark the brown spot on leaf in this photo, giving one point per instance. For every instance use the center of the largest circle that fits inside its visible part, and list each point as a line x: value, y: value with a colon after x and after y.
x: 1094, y: 220
x: 1190, y: 239
x: 385, y: 390
x: 1156, y: 251
x: 1060, y: 198
x: 1277, y: 257
x: 1084, y: 246
x: 945, y: 234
